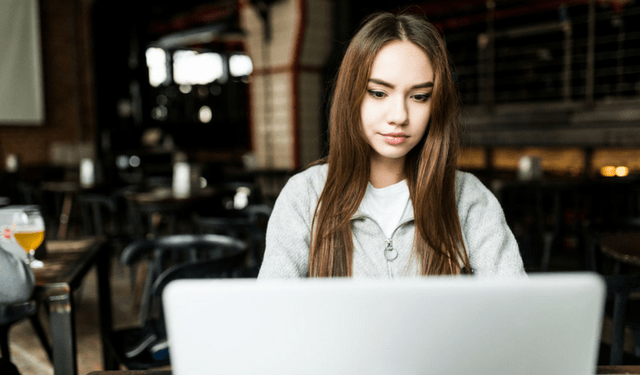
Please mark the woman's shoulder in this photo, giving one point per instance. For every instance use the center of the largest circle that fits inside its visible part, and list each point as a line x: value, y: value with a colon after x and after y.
x: 467, y: 181
x: 469, y: 189
x: 306, y: 184
x: 300, y: 195
x: 316, y: 173
x: 312, y: 177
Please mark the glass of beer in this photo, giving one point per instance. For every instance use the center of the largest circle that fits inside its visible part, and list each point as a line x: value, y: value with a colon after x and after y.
x: 28, y: 230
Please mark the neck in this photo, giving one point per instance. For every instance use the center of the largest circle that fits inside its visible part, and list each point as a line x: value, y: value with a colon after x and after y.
x: 386, y: 172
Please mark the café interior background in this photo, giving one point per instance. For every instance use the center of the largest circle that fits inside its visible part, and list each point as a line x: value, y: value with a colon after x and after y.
x: 549, y: 90
x: 550, y: 94
x: 224, y: 79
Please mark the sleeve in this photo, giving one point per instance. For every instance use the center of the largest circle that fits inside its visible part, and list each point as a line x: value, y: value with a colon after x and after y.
x: 16, y: 279
x: 492, y: 248
x: 288, y: 231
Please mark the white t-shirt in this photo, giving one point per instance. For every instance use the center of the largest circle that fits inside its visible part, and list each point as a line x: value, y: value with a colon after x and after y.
x: 386, y: 206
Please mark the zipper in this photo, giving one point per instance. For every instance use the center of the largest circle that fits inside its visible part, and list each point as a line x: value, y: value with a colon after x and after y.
x: 390, y: 253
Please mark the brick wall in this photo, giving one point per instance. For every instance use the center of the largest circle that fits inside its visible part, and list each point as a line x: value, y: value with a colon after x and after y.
x: 68, y: 86
x: 286, y: 90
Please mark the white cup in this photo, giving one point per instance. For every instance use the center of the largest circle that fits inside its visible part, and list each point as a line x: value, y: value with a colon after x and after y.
x: 87, y: 173
x: 181, y: 180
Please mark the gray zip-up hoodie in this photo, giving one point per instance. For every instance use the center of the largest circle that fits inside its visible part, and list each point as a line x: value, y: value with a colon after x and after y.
x: 491, y: 246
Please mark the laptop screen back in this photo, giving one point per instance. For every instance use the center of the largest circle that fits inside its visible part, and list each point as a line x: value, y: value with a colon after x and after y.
x: 544, y: 324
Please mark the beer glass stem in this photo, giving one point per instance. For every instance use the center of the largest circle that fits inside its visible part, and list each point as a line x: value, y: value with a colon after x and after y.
x: 32, y: 261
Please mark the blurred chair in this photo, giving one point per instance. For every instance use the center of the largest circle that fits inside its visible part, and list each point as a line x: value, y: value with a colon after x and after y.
x: 95, y: 208
x: 623, y: 314
x: 622, y: 249
x: 159, y: 212
x: 30, y: 194
x: 104, y: 214
x: 225, y: 268
x: 270, y: 183
x: 165, y: 257
x: 248, y: 225
x: 10, y: 314
x: 152, y: 219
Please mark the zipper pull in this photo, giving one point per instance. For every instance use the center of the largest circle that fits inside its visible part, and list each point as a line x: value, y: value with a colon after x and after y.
x: 389, y: 252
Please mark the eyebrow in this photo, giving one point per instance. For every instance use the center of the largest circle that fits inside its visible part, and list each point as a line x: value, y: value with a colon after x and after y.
x: 391, y: 86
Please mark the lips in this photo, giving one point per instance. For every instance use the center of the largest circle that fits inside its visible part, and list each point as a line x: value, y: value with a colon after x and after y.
x: 395, y: 138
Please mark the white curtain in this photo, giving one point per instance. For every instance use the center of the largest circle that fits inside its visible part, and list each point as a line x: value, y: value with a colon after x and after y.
x: 21, y: 96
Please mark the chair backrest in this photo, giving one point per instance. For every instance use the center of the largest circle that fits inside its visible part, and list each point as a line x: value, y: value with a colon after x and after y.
x: 94, y: 209
x: 191, y: 246
x: 249, y: 226
x: 226, y: 266
x: 164, y: 252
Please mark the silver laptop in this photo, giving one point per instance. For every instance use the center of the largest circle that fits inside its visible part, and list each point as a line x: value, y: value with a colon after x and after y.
x: 544, y: 324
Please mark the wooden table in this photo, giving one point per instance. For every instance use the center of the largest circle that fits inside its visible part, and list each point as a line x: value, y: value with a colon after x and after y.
x: 618, y: 370
x: 148, y: 206
x: 623, y: 247
x: 66, y: 263
x: 601, y: 370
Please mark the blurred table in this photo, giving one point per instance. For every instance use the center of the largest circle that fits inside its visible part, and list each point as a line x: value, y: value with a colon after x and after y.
x: 165, y: 196
x: 147, y: 206
x: 66, y: 263
x: 618, y: 370
x: 601, y: 370
x: 623, y: 247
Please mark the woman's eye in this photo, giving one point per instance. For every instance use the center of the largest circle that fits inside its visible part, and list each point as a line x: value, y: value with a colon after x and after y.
x: 422, y: 97
x: 376, y: 94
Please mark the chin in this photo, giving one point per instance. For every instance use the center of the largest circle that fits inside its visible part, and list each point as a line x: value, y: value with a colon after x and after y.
x: 392, y: 155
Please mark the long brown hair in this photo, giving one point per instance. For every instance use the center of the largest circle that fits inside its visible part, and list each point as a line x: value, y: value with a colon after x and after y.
x: 430, y: 166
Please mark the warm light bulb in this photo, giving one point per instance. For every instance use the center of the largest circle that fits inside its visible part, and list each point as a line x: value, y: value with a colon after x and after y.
x: 608, y: 171
x: 622, y: 171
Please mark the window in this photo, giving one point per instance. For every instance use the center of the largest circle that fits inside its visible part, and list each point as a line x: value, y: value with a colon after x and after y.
x: 193, y: 68
x: 21, y: 91
x: 157, y: 63
x: 240, y: 65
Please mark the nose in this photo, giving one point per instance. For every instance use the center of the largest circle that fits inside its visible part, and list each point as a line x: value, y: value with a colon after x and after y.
x: 398, y: 113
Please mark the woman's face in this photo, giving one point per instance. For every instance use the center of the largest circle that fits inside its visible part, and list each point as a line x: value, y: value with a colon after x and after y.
x: 396, y: 108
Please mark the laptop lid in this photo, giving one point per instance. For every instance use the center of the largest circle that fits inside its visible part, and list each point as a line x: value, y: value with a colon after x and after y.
x: 544, y: 324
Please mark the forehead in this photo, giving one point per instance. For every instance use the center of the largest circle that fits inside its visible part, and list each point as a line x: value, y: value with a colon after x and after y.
x: 402, y: 61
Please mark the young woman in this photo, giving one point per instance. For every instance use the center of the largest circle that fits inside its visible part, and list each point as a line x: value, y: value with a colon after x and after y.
x: 388, y: 201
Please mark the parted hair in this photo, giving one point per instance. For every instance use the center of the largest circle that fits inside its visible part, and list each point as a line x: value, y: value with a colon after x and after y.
x: 430, y: 166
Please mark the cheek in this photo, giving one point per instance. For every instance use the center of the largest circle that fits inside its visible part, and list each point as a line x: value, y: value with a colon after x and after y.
x: 367, y: 114
x: 421, y: 119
